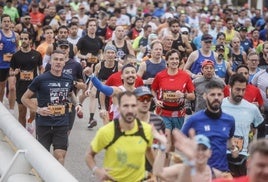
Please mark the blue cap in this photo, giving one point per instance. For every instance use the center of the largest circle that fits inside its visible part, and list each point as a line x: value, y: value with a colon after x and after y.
x: 202, y: 139
x: 140, y: 91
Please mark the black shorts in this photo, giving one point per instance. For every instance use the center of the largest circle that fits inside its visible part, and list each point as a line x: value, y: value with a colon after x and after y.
x: 53, y: 135
x: 21, y: 89
x: 4, y: 73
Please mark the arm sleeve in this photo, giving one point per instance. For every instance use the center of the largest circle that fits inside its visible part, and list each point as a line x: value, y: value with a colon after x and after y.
x: 107, y: 90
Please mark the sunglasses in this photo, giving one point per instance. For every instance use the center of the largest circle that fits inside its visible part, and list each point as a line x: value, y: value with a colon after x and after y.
x: 185, y: 33
x: 146, y: 98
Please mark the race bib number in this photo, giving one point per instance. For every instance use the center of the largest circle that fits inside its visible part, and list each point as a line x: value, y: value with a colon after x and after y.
x: 239, y: 142
x: 7, y: 57
x: 169, y: 96
x: 92, y: 60
x: 56, y: 110
x: 26, y: 75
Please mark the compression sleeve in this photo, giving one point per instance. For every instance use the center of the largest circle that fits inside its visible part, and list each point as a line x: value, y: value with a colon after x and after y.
x: 107, y: 90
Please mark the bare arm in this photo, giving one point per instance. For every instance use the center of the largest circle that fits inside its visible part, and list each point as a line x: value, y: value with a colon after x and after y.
x: 142, y: 69
x: 130, y: 49
x: 26, y: 100
x: 191, y: 59
x: 188, y: 48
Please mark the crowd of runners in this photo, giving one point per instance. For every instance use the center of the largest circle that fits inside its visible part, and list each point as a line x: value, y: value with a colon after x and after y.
x: 181, y: 86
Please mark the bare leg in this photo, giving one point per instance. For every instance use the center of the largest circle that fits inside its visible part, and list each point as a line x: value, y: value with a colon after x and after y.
x: 60, y: 154
x: 12, y: 92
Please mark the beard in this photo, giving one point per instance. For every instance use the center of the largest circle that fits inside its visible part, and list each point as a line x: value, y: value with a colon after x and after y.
x: 215, y: 105
x: 237, y: 98
x: 128, y: 117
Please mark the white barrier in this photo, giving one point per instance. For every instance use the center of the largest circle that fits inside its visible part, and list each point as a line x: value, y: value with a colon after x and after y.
x: 35, y: 154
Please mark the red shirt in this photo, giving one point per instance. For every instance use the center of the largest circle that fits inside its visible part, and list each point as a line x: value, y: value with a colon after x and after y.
x: 252, y: 94
x: 240, y: 179
x: 37, y: 18
x: 116, y: 80
x: 166, y: 85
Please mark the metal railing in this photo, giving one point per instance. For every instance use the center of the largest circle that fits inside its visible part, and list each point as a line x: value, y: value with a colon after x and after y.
x: 29, y: 154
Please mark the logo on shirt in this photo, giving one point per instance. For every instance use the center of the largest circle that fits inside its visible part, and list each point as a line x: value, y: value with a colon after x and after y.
x: 207, y: 127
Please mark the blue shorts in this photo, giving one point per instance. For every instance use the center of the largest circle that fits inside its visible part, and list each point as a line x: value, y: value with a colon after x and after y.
x: 173, y: 122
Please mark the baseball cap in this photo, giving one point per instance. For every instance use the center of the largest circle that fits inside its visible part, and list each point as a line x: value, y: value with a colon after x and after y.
x: 244, y: 29
x: 207, y: 62
x: 63, y: 43
x: 206, y: 38
x: 140, y: 91
x: 202, y: 139
x: 184, y: 29
x: 110, y: 47
x: 219, y: 47
x: 62, y: 11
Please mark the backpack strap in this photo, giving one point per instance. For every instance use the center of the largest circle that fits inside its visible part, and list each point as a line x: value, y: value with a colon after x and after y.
x: 140, y: 131
x: 117, y: 133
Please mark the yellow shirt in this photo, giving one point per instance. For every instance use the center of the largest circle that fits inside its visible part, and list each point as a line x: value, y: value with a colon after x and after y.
x: 125, y: 157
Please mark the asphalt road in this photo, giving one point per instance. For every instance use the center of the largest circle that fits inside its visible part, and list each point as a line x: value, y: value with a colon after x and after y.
x: 79, y: 141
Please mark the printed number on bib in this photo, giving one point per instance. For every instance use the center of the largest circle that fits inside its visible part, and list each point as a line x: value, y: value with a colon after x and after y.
x: 26, y: 75
x: 238, y: 141
x: 92, y: 60
x: 7, y: 57
x: 57, y: 110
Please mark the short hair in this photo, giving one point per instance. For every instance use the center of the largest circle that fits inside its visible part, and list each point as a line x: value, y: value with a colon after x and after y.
x: 260, y: 145
x: 220, y: 34
x: 27, y: 33
x: 173, y: 21
x: 213, y: 85
x: 47, y: 27
x: 63, y: 27
x: 168, y: 54
x: 127, y: 93
x: 72, y: 24
x: 241, y: 66
x: 252, y: 53
x: 155, y: 42
x: 237, y: 78
x: 90, y: 20
x: 146, y: 27
x: 128, y: 57
x: 4, y: 16
x: 127, y: 66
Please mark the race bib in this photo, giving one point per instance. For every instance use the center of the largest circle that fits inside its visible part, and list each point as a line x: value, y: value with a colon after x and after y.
x: 56, y: 109
x: 7, y: 57
x: 92, y: 60
x: 239, y: 142
x: 26, y: 75
x: 169, y: 96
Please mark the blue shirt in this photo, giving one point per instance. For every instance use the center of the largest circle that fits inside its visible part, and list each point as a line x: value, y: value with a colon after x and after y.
x: 197, y: 64
x: 9, y: 47
x: 217, y: 130
x: 50, y: 90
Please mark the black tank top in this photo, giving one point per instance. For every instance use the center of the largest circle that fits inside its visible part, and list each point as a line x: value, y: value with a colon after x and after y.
x: 121, y: 51
x: 177, y: 43
x: 104, y: 72
x: 30, y: 30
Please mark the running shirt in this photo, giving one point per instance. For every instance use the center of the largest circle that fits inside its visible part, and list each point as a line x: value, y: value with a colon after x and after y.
x: 152, y: 69
x: 9, y: 47
x: 220, y: 69
x: 104, y: 72
x: 53, y: 92
x: 121, y: 51
x: 128, y: 152
x: 219, y: 131
x: 248, y: 113
x: 165, y: 86
x: 252, y: 94
x: 197, y: 64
